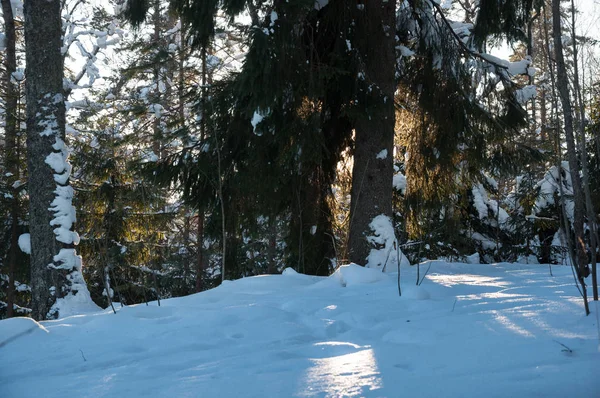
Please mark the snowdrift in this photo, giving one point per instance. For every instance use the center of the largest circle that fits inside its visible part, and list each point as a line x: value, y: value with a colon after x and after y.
x: 504, y: 330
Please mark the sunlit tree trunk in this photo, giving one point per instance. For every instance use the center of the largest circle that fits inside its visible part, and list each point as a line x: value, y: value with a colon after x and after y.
x: 372, y: 172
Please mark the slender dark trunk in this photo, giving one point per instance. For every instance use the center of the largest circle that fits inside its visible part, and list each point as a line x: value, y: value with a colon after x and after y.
x: 200, y: 252
x: 578, y: 197
x: 186, y: 245
x: 591, y: 214
x: 157, y: 137
x: 11, y: 94
x: 181, y: 75
x: 372, y: 172
x: 272, y: 251
x: 530, y: 52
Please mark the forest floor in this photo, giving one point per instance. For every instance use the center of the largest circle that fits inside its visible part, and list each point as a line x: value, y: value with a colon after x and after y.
x: 503, y: 330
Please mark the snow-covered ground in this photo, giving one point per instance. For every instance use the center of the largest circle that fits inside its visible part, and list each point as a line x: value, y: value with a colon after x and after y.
x: 467, y: 331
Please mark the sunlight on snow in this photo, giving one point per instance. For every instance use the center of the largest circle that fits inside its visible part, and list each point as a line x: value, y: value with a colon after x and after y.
x: 505, y: 297
x: 467, y: 279
x: 343, y: 375
x: 510, y: 325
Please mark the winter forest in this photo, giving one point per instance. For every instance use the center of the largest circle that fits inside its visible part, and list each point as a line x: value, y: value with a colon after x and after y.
x: 360, y: 192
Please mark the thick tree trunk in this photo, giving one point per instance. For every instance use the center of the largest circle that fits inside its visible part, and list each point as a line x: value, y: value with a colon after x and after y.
x: 372, y: 172
x: 578, y: 197
x: 311, y: 224
x: 11, y: 147
x: 55, y: 268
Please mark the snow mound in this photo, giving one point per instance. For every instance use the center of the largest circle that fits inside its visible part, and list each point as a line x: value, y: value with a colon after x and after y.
x: 76, y: 304
x: 416, y: 293
x: 470, y: 330
x: 289, y: 272
x: 15, y: 328
x: 353, y: 274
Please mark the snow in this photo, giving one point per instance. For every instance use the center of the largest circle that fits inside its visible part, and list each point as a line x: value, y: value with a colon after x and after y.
x: 258, y: 117
x: 17, y: 7
x: 405, y: 51
x: 479, y: 201
x: 77, y: 300
x: 399, y: 182
x: 467, y: 331
x: 521, y: 67
x: 18, y: 75
x: 274, y: 18
x: 526, y: 94
x: 485, y: 242
x: 25, y: 243
x: 382, y: 155
x: 320, y: 4
x: 384, y: 253
x: 473, y: 259
x: 64, y: 215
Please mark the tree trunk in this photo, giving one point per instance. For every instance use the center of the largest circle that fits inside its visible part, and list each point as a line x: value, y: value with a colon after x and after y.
x: 578, y: 198
x: 591, y: 214
x: 55, y: 268
x: 186, y: 245
x: 272, y: 249
x: 200, y: 252
x: 11, y: 149
x: 372, y: 172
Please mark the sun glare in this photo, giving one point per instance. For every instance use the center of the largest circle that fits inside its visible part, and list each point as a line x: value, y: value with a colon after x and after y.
x: 343, y: 375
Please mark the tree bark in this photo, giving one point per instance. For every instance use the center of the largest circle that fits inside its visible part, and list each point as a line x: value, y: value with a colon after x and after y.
x: 591, y: 214
x: 372, y: 172
x: 11, y: 94
x: 578, y: 198
x: 200, y: 252
x: 55, y: 268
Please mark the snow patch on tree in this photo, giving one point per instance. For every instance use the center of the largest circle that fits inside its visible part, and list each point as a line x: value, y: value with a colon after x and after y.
x: 383, y: 256
x: 64, y: 215
x: 257, y: 118
x: 526, y: 94
x: 399, y: 182
x: 320, y: 4
x: 77, y: 299
x: 479, y: 202
x: 512, y: 68
x: 25, y: 243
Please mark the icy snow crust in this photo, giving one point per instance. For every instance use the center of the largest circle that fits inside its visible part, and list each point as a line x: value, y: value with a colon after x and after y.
x: 467, y: 331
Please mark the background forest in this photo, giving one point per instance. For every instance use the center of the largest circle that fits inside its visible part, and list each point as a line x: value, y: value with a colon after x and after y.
x: 232, y: 140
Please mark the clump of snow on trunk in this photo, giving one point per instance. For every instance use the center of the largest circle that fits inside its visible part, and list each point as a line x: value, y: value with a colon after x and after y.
x: 74, y: 297
x: 384, y: 254
x: 25, y: 243
x: 77, y: 299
